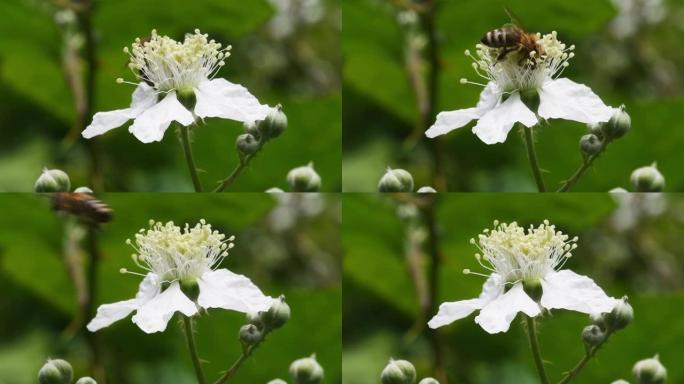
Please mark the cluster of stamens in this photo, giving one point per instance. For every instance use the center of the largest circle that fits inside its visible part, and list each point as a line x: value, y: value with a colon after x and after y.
x: 516, y: 254
x: 174, y: 253
x: 514, y: 73
x: 172, y: 65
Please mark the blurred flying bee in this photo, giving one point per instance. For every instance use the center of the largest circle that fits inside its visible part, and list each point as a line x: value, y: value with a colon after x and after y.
x: 83, y: 206
x: 512, y: 38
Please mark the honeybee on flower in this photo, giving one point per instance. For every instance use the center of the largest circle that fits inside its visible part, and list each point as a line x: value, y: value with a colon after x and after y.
x: 522, y: 84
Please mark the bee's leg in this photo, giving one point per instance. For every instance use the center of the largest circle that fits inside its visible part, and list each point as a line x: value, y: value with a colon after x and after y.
x: 504, y: 51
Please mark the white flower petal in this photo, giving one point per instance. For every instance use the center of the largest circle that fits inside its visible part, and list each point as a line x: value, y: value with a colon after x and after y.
x: 153, y: 122
x: 221, y: 98
x: 452, y: 311
x: 148, y: 288
x: 109, y: 313
x: 224, y: 289
x: 497, y: 316
x: 565, y: 99
x: 455, y: 310
x: 450, y: 120
x: 567, y: 290
x: 154, y: 315
x: 144, y: 97
x: 494, y: 126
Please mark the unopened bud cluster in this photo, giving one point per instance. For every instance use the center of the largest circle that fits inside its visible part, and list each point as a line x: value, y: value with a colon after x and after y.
x: 402, y: 372
x: 58, y: 371
x: 307, y: 371
x: 398, y: 372
x: 396, y: 180
x: 650, y: 371
x: 648, y: 179
x: 601, y: 134
x: 56, y: 180
x: 605, y: 324
x: 258, y: 133
x: 53, y: 180
x: 259, y: 324
x: 304, y: 179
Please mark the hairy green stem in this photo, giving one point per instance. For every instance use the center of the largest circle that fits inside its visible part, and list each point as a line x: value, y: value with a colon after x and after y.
x: 536, y: 352
x: 192, y: 347
x: 246, y: 353
x: 228, y: 181
x: 583, y: 168
x: 242, y: 164
x: 590, y: 353
x: 187, y: 151
x: 534, y: 161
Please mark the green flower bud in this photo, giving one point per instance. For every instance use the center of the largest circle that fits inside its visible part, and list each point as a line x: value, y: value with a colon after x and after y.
x: 277, y: 381
x: 648, y: 179
x: 53, y: 180
x: 274, y: 190
x: 56, y: 371
x: 599, y: 320
x: 618, y: 125
x: 592, y: 335
x: 396, y: 180
x: 398, y: 372
x: 620, y: 381
x: 246, y: 144
x: 252, y: 128
x: 49, y: 374
x: 250, y: 335
x: 274, y: 124
x: 86, y: 380
x: 426, y: 190
x: 590, y: 144
x: 595, y: 129
x: 83, y: 190
x: 306, y: 371
x: 650, y: 371
x: 254, y: 318
x: 277, y: 315
x: 304, y: 179
x: 428, y: 380
x: 620, y: 317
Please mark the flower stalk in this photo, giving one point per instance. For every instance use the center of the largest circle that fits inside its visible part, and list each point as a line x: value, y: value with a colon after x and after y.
x: 534, y: 160
x: 588, y: 161
x: 589, y: 354
x: 242, y: 164
x: 536, y: 351
x: 192, y: 347
x: 187, y: 151
x: 246, y: 353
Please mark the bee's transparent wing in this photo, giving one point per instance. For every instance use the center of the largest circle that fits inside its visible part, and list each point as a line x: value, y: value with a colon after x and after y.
x: 515, y: 20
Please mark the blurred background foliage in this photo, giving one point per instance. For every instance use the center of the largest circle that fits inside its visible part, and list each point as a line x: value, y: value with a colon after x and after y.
x: 287, y: 244
x: 283, y: 51
x: 629, y: 244
x: 627, y: 52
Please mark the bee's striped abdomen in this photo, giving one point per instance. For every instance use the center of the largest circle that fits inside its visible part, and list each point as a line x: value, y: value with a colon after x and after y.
x: 502, y: 37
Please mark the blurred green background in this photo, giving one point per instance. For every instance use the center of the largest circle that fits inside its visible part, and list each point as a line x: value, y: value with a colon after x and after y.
x: 626, y: 54
x: 283, y: 51
x: 287, y: 244
x: 629, y: 247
